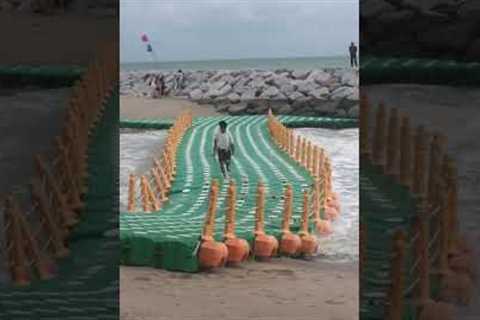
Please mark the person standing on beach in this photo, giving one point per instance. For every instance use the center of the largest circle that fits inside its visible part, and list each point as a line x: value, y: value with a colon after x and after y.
x: 179, y: 77
x: 353, y: 55
x: 224, y: 148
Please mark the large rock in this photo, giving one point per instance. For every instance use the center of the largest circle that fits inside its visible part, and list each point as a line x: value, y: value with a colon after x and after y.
x: 216, y: 91
x: 278, y: 81
x: 296, y: 96
x: 306, y: 86
x: 233, y: 97
x: 349, y: 78
x: 249, y: 94
x: 342, y: 93
x: 354, y: 111
x: 320, y: 93
x: 287, y: 89
x: 270, y: 92
x: 300, y: 75
x: 320, y: 77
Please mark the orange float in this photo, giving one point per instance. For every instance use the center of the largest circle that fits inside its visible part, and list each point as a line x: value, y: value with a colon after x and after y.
x: 211, y: 254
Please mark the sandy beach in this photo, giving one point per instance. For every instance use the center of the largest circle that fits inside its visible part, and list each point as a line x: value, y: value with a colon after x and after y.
x: 167, y: 107
x: 281, y: 289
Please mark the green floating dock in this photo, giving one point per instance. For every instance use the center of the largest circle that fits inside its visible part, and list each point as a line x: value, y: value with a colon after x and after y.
x: 40, y: 76
x: 86, y: 286
x: 375, y: 70
x: 169, y: 238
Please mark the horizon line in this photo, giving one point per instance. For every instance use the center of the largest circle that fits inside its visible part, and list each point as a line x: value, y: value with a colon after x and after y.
x: 232, y: 59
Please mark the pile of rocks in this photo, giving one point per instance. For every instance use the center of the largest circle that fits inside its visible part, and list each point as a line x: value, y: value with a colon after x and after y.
x: 430, y: 28
x: 314, y: 92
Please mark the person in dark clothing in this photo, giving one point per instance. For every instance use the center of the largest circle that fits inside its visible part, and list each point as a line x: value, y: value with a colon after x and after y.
x: 353, y: 55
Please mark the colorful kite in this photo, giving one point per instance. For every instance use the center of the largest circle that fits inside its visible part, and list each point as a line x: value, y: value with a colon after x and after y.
x: 145, y: 39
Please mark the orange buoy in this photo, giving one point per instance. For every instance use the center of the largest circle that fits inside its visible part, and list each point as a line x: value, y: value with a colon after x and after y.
x: 238, y: 250
x: 266, y: 246
x: 211, y: 254
x: 289, y: 243
x: 331, y: 213
x: 324, y: 227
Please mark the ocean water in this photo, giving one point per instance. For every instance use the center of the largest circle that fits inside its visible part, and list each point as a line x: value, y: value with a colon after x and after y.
x: 305, y: 63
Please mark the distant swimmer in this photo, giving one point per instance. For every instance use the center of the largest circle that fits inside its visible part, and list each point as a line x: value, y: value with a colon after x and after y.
x: 224, y: 148
x: 353, y: 55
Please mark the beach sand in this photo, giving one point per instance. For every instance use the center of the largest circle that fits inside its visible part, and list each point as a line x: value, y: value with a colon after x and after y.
x: 167, y: 107
x: 280, y: 289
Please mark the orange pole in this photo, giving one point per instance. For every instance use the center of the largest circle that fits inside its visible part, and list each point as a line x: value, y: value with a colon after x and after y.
x: 209, y: 226
x: 131, y: 193
x: 230, y: 216
x: 147, y: 205
x: 259, y: 211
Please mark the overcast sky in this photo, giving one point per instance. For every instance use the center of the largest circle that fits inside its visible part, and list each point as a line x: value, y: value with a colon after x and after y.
x: 229, y: 29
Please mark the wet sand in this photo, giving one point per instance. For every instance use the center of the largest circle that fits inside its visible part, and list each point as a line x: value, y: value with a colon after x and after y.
x: 281, y: 289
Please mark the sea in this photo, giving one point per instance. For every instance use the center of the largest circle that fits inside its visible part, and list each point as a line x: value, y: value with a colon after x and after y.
x: 301, y: 63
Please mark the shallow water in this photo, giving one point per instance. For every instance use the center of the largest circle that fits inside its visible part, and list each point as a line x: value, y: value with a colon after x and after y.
x: 342, y: 147
x: 137, y: 150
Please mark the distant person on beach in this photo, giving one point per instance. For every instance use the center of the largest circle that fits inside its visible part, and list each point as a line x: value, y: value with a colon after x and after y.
x: 223, y: 147
x: 353, y: 55
x: 178, y: 83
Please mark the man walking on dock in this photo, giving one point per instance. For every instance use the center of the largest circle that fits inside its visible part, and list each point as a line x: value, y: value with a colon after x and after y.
x: 223, y: 147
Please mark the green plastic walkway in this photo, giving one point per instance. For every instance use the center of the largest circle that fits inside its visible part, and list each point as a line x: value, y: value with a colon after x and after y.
x: 169, y: 238
x: 87, y: 284
x: 421, y: 71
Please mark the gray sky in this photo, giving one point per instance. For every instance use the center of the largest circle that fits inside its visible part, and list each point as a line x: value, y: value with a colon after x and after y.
x: 229, y: 29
